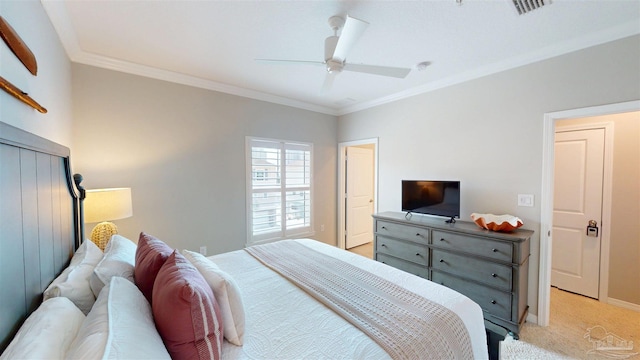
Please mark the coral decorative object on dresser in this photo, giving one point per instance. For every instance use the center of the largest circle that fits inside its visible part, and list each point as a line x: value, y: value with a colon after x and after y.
x: 504, y: 223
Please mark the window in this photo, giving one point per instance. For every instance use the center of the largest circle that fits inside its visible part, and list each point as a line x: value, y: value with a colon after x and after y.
x: 279, y: 190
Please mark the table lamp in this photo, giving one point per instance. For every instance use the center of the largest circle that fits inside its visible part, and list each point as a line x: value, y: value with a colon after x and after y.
x: 105, y: 205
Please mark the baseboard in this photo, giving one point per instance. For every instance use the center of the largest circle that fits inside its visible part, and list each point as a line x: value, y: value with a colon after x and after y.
x: 623, y: 304
x: 531, y: 318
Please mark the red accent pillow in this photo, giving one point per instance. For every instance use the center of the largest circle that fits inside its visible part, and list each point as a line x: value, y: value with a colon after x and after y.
x: 186, y: 313
x: 150, y: 256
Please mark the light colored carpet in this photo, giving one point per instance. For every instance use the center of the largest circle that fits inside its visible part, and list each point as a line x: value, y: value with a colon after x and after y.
x: 568, y: 335
x: 365, y: 250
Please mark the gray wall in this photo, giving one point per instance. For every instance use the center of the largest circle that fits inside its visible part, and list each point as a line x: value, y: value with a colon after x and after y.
x: 624, y: 247
x: 487, y: 133
x: 51, y: 88
x: 182, y: 151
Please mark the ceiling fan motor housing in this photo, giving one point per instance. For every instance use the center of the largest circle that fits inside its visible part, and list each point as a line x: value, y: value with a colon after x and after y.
x: 334, y: 66
x: 330, y: 44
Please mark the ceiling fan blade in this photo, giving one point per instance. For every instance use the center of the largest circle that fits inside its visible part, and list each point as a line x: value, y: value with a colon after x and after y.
x: 395, y: 72
x: 286, y: 62
x: 353, y: 29
x: 328, y: 82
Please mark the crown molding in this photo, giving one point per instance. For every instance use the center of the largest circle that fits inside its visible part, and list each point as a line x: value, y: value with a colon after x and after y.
x: 616, y: 33
x: 178, y: 78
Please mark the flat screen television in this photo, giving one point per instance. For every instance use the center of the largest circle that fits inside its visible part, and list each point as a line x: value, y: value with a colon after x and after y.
x: 439, y: 198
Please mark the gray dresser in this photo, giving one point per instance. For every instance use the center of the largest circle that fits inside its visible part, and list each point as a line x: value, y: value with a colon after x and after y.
x: 491, y: 268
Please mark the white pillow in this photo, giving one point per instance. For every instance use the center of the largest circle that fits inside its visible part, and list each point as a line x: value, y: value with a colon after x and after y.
x: 73, y: 282
x: 119, y: 259
x: 78, y: 257
x: 120, y: 326
x: 47, y: 332
x: 227, y: 294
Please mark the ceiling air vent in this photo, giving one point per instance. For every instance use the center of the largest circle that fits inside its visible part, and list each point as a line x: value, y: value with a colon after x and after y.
x: 525, y: 6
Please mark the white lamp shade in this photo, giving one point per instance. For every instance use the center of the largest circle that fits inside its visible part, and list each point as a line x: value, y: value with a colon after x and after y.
x: 107, y: 205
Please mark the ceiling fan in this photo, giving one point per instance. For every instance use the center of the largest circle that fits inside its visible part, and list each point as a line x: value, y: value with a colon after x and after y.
x: 336, y: 49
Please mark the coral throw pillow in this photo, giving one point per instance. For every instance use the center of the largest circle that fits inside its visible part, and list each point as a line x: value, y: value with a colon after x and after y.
x: 150, y: 256
x: 186, y: 314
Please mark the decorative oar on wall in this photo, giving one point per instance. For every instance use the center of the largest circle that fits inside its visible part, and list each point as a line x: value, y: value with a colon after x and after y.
x: 20, y: 95
x: 18, y: 47
x: 26, y: 57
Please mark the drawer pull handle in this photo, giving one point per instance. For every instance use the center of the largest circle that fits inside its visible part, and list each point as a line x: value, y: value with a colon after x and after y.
x: 383, y: 262
x: 493, y: 302
x: 417, y: 234
x: 441, y: 260
x: 441, y: 283
x: 384, y: 228
x: 494, y: 275
x: 383, y: 245
x: 417, y: 254
x: 494, y: 250
x: 442, y: 239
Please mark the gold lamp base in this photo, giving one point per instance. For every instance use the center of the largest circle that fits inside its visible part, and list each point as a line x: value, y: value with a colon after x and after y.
x: 101, y: 234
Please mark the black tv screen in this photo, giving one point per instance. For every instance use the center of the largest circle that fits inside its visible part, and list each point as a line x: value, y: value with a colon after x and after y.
x: 440, y: 198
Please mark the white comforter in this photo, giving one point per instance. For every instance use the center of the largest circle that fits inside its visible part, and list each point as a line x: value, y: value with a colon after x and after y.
x: 283, y: 322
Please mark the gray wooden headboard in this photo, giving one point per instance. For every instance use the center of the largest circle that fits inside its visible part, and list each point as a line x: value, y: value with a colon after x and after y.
x: 39, y: 222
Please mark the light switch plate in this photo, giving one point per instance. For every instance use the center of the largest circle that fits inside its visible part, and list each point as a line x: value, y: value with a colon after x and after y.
x: 525, y: 200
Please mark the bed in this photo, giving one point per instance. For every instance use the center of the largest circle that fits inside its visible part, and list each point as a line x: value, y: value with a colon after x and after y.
x: 263, y: 291
x: 290, y: 308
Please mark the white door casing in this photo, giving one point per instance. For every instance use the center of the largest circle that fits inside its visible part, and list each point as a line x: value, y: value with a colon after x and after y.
x: 359, y: 198
x: 578, y: 180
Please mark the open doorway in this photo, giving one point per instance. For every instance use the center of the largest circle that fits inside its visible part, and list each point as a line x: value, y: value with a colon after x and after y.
x: 577, y: 119
x: 357, y: 192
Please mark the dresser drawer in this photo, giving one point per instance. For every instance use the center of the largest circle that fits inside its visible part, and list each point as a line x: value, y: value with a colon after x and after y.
x: 493, y: 274
x: 409, y: 267
x: 403, y: 249
x: 411, y: 233
x: 480, y: 246
x: 493, y: 301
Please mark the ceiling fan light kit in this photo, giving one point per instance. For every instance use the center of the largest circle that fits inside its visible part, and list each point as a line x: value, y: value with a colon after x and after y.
x: 336, y: 49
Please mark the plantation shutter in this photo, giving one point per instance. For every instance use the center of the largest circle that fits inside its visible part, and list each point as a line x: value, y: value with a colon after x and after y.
x: 279, y: 189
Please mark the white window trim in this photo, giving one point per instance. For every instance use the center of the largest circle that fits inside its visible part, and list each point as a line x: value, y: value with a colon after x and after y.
x: 286, y: 234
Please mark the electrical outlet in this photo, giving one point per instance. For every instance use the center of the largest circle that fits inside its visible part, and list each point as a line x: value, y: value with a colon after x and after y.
x: 525, y: 200
x: 203, y: 250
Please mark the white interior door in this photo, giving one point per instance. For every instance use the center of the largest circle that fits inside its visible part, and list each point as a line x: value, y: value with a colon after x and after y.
x: 579, y: 160
x: 359, y: 197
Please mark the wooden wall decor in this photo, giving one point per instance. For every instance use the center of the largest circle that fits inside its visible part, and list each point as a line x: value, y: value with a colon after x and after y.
x: 18, y: 47
x: 20, y: 95
x: 26, y: 57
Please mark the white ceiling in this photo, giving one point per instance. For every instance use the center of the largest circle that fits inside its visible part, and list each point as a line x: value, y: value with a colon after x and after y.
x: 213, y: 44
